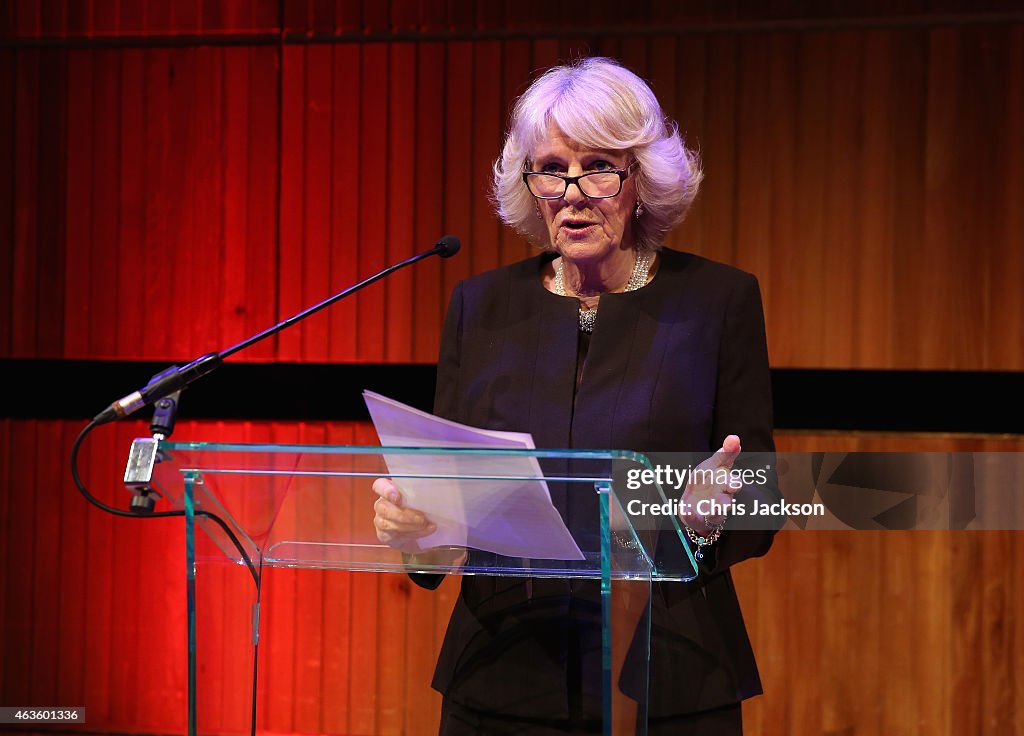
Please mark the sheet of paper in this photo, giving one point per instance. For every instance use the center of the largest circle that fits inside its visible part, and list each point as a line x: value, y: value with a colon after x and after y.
x: 499, y: 514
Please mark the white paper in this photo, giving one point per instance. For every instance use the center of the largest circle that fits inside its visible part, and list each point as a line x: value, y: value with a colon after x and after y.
x: 509, y: 517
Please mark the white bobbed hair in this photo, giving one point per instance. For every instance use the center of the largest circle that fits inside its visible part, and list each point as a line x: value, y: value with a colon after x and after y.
x: 600, y: 104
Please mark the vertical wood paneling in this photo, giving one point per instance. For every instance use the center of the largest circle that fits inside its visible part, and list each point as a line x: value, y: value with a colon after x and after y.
x: 928, y: 645
x: 132, y: 330
x: 941, y: 233
x: 234, y: 298
x: 394, y: 612
x: 457, y: 184
x: 804, y: 632
x: 836, y: 161
x: 431, y: 299
x: 374, y: 156
x: 843, y: 196
x: 132, y: 17
x: 400, y: 198
x: 839, y: 706
x: 347, y: 188
x: 6, y: 552
x: 338, y: 633
x: 214, y: 604
x: 369, y: 687
x: 755, y: 157
x: 807, y: 273
x: 51, y: 206
x: 207, y: 130
x: 1016, y: 651
x: 784, y: 141
x: 27, y: 18
x: 292, y: 196
x: 8, y: 91
x: 663, y: 72
x: 1007, y: 262
x: 908, y: 175
x: 316, y: 200
x: 127, y: 631
x: 889, y: 631
x: 160, y: 171
x: 104, y: 20
x: 99, y: 575
x: 934, y: 628
x: 260, y: 289
x: 19, y: 599
x: 25, y: 265
x: 995, y: 653
x: 184, y: 17
x: 897, y: 590
x: 691, y: 98
x: 981, y: 78
x: 484, y: 230
x: 719, y: 147
x: 181, y: 173
x: 965, y: 638
x: 516, y: 73
x: 103, y: 315
x: 280, y: 604
x: 238, y: 670
x: 46, y: 660
x: 877, y: 207
x: 307, y: 646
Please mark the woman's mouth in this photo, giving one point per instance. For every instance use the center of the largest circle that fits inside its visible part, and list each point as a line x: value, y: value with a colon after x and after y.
x: 577, y: 226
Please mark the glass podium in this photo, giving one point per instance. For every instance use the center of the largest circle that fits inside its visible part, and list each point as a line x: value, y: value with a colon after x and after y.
x: 253, y: 508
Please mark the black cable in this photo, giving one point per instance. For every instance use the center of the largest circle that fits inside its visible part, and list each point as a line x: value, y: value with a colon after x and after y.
x: 156, y: 514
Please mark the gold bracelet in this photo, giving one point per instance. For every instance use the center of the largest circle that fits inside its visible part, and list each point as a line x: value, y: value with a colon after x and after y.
x: 703, y: 540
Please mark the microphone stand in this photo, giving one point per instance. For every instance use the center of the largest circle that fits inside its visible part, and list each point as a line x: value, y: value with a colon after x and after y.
x: 164, y: 390
x: 175, y: 378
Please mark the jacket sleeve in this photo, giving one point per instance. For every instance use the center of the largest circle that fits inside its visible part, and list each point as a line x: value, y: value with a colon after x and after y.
x: 743, y: 406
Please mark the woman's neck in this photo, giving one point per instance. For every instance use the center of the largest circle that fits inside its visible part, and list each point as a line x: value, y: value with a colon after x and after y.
x: 586, y: 279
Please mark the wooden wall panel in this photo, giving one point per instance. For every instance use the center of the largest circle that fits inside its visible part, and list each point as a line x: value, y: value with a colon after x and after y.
x: 887, y: 632
x: 430, y: 299
x: 855, y: 632
x: 92, y: 607
x: 400, y: 196
x: 168, y: 201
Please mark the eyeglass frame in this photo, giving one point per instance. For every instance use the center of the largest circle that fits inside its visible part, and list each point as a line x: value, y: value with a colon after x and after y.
x: 567, y: 180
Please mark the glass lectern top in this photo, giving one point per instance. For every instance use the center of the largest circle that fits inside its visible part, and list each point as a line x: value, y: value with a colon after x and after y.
x: 537, y: 513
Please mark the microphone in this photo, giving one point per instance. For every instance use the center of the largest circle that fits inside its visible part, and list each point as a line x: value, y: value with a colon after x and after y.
x: 177, y: 378
x: 447, y: 246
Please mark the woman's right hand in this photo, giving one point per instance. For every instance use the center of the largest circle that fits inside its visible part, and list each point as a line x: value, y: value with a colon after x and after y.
x: 397, y: 526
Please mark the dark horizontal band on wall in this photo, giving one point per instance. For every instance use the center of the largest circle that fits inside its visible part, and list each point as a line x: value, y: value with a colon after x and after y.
x: 868, y: 400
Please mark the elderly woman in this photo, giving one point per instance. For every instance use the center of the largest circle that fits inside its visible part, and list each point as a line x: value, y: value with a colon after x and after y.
x: 603, y: 340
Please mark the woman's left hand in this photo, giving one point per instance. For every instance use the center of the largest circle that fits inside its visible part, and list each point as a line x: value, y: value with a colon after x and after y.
x: 710, y: 497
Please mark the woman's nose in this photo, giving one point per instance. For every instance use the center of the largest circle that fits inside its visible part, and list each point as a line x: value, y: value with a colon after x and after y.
x: 573, y: 193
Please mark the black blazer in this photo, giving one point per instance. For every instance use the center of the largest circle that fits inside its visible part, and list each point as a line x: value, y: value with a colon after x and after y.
x: 672, y: 367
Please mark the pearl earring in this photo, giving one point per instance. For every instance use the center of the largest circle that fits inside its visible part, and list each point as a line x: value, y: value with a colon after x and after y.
x: 639, y: 209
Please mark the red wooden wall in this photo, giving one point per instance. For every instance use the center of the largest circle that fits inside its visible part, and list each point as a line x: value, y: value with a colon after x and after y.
x: 164, y: 198
x: 175, y: 176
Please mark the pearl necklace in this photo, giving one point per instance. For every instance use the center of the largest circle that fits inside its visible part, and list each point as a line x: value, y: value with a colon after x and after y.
x: 588, y: 317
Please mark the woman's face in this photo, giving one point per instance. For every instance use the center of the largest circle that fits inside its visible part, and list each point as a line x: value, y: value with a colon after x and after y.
x: 579, y: 228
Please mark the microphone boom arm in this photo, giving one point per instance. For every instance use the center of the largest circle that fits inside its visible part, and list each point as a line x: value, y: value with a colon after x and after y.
x: 176, y: 379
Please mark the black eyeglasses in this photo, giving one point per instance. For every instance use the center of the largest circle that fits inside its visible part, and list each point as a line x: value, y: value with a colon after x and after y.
x: 595, y: 185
